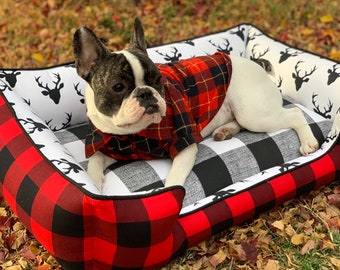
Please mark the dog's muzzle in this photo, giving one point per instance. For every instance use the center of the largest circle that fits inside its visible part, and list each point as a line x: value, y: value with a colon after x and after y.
x: 146, y: 99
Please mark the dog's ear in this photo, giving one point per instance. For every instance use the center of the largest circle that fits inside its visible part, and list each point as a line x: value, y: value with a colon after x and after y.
x: 137, y: 40
x: 88, y: 50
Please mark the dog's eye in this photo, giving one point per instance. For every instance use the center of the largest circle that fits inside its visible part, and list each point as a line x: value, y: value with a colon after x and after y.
x: 119, y: 87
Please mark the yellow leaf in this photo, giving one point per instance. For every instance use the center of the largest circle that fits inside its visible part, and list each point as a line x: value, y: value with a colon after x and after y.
x: 326, y: 18
x: 298, y: 239
x: 38, y: 57
x: 318, y: 235
x: 307, y: 32
x: 35, y: 249
x: 327, y: 245
x: 335, y: 262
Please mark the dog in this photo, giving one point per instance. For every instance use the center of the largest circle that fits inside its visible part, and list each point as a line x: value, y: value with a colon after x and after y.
x: 141, y: 110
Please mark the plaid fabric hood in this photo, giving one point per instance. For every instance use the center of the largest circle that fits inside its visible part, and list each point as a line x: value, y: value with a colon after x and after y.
x: 194, y: 91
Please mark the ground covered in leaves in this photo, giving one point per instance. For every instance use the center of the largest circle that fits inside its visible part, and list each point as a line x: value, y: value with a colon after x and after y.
x: 301, y: 234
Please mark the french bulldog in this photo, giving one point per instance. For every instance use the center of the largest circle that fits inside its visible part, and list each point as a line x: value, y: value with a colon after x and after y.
x: 141, y: 110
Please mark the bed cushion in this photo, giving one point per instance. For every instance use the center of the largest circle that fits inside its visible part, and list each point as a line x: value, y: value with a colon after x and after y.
x: 43, y: 175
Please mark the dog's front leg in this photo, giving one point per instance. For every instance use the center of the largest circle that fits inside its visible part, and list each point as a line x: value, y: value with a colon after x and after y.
x: 96, y: 166
x: 182, y: 166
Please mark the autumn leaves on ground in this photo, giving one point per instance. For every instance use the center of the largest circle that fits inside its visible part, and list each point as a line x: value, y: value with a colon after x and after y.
x: 301, y: 234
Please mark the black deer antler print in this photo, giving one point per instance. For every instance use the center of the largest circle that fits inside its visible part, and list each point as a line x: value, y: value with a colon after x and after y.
x: 10, y: 77
x: 222, y: 194
x: 79, y: 93
x: 53, y: 93
x: 287, y: 53
x: 227, y: 49
x: 36, y: 126
x: 63, y: 125
x: 265, y: 64
x: 299, y: 80
x: 287, y: 166
x: 326, y: 111
x: 333, y: 74
x: 253, y: 36
x: 253, y: 56
x: 239, y: 32
x: 27, y: 101
x: 174, y: 58
x: 69, y: 165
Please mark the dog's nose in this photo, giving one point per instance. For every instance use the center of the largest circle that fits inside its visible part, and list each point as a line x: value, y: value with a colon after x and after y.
x: 147, y: 100
x: 144, y: 94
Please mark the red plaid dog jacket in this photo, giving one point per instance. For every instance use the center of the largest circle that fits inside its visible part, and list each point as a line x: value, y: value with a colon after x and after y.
x: 194, y: 91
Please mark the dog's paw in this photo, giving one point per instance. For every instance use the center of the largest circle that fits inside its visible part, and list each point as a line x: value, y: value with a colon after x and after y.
x: 222, y: 134
x: 97, y: 177
x: 309, y: 146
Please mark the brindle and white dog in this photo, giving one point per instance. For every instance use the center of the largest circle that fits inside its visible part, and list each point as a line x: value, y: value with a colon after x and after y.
x: 128, y: 95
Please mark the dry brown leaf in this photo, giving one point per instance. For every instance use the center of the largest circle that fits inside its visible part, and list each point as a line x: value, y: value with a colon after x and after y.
x: 237, y: 252
x: 218, y: 258
x: 289, y: 230
x: 333, y: 211
x: 14, y: 267
x: 250, y: 251
x: 337, y: 190
x: 310, y: 245
x: 334, y: 199
x: 20, y: 239
x: 272, y: 265
x: 279, y: 224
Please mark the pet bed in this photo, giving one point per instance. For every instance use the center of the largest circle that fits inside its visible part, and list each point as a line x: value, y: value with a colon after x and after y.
x: 134, y: 222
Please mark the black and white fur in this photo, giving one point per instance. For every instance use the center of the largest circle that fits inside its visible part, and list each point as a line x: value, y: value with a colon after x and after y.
x: 125, y: 95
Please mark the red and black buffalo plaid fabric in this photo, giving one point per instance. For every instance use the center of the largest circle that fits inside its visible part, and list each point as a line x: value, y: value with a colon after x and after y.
x: 194, y: 91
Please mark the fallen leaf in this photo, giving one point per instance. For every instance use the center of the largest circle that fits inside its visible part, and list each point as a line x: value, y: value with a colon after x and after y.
x: 218, y: 258
x: 326, y: 18
x: 298, y: 239
x: 272, y: 265
x: 279, y: 224
x: 310, y: 245
x: 251, y: 251
x: 237, y: 252
x: 23, y: 263
x: 307, y: 32
x: 334, y: 222
x: 317, y: 235
x: 334, y: 199
x: 21, y: 238
x: 14, y: 267
x: 337, y: 190
x: 335, y: 262
x: 38, y: 57
x: 327, y: 245
x: 45, y: 266
x: 34, y: 249
x: 335, y: 54
x: 290, y: 230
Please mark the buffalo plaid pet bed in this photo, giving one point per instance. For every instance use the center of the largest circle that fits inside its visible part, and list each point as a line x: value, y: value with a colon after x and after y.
x: 43, y: 177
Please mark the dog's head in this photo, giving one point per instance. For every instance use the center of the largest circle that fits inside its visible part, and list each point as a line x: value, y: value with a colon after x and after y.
x: 125, y: 92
